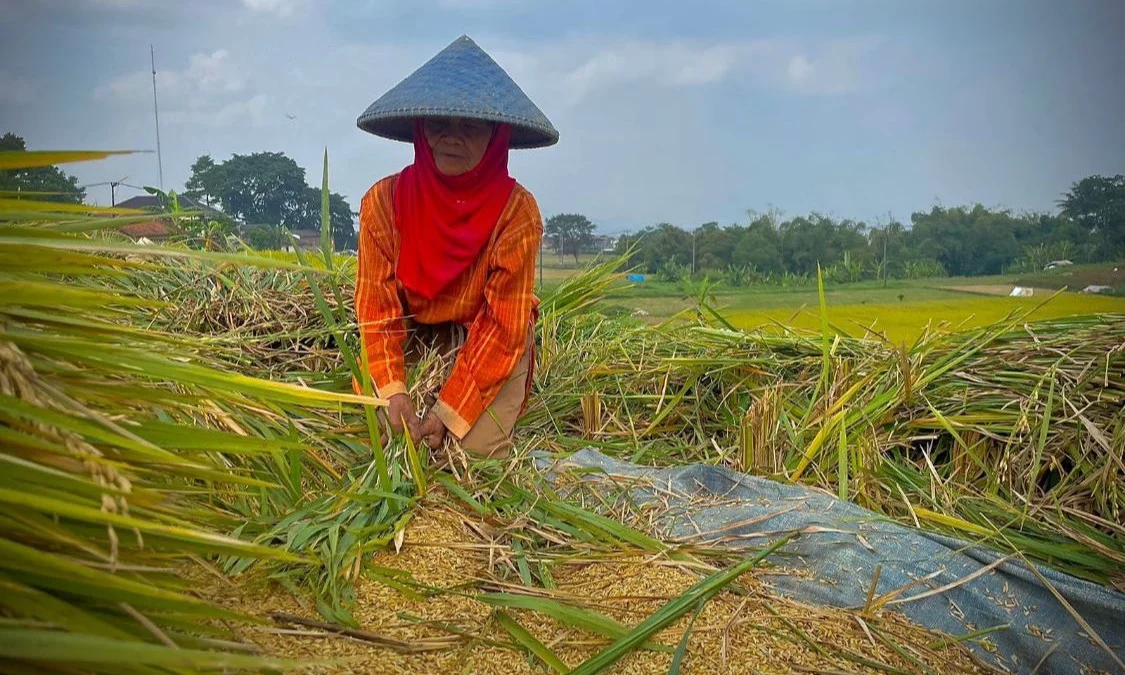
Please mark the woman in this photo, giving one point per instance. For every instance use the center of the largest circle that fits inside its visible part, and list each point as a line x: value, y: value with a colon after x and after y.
x: 447, y: 249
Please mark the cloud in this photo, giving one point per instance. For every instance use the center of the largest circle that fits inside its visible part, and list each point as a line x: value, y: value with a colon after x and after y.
x: 278, y: 7
x: 669, y: 64
x: 816, y: 68
x: 117, y: 5
x: 252, y: 110
x: 212, y: 91
x: 206, y: 75
x: 835, y: 68
x: 474, y: 4
x: 15, y: 90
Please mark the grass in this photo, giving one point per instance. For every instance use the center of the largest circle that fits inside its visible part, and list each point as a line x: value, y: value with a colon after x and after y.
x: 1077, y: 277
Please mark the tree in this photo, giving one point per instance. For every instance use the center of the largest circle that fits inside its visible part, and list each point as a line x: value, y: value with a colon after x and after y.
x: 888, y: 248
x: 269, y: 189
x: 263, y: 187
x: 203, y: 180
x: 758, y: 246
x: 39, y: 179
x: 569, y: 233
x: 344, y: 236
x: 1098, y: 204
x: 713, y: 247
x: 967, y: 242
x: 807, y: 242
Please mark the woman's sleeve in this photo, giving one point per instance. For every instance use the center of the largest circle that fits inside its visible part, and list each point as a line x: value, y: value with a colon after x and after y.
x: 498, y: 334
x: 378, y: 307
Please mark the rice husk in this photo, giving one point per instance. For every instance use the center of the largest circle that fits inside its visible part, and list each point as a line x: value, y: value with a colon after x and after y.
x: 747, y: 632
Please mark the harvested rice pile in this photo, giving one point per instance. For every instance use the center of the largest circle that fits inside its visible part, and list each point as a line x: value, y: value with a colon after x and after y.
x: 751, y: 632
x: 139, y: 437
x: 973, y: 426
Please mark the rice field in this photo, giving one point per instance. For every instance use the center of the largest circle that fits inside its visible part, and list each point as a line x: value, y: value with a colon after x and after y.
x: 190, y: 483
x: 906, y: 321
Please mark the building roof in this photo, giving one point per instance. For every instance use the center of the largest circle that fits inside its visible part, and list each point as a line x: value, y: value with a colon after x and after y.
x: 153, y: 202
x: 156, y: 228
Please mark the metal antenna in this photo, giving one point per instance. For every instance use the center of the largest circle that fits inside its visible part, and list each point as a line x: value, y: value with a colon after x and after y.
x: 156, y: 114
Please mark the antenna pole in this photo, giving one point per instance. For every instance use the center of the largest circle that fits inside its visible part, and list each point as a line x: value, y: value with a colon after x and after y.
x: 156, y: 114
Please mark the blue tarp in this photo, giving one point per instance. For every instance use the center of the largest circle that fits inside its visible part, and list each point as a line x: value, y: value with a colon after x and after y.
x: 841, y: 545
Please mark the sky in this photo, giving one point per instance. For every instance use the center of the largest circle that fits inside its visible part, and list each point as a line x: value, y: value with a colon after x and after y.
x: 680, y: 112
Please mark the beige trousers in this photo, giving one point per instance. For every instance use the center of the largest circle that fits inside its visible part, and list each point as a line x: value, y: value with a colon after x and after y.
x: 491, y: 435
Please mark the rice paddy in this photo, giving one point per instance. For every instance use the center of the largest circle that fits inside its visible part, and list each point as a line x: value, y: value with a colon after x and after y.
x: 907, y: 321
x: 190, y: 483
x: 900, y: 312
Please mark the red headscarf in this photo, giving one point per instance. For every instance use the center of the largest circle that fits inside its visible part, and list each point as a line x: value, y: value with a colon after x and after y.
x: 445, y: 221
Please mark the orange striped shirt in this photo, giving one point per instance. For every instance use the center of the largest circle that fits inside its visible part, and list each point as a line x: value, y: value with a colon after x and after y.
x: 494, y: 299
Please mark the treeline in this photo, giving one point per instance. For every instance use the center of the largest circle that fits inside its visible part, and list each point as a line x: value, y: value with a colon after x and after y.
x: 957, y: 241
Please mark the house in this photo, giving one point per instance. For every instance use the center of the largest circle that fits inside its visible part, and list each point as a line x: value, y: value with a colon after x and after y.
x: 157, y: 228
x: 604, y: 243
x: 305, y: 240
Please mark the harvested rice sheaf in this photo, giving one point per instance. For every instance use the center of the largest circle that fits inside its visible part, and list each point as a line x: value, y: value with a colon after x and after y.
x: 981, y: 427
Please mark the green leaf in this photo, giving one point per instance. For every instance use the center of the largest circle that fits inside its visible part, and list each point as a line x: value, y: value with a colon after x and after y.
x: 54, y: 646
x: 216, y: 542
x: 575, y: 617
x: 842, y: 463
x: 530, y: 642
x: 44, y: 570
x: 681, y: 648
x: 325, y: 217
x: 29, y: 159
x: 672, y: 610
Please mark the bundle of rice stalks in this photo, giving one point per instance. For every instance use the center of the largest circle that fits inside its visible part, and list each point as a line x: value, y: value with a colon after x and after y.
x: 137, y: 442
x: 1011, y: 433
x: 127, y: 455
x: 260, y: 320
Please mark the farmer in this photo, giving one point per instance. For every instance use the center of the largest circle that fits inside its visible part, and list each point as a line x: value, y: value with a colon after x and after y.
x: 447, y: 250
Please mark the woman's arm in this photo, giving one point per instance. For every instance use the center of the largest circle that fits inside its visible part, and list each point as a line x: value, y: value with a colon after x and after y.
x: 498, y: 334
x: 378, y: 307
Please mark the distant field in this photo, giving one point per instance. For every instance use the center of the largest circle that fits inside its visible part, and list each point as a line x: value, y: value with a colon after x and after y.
x: 555, y: 269
x: 1077, y: 277
x: 905, y: 321
x: 901, y: 311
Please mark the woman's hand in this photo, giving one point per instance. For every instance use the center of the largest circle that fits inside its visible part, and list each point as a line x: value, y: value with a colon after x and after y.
x: 400, y: 412
x: 432, y: 431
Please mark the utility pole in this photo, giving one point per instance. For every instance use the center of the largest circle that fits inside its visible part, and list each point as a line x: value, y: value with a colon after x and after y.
x: 156, y: 114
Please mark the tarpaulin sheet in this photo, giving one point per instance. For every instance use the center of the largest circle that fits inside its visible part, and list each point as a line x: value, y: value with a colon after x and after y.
x: 840, y: 546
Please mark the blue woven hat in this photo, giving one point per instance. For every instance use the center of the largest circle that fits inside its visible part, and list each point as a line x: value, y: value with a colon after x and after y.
x: 461, y: 81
